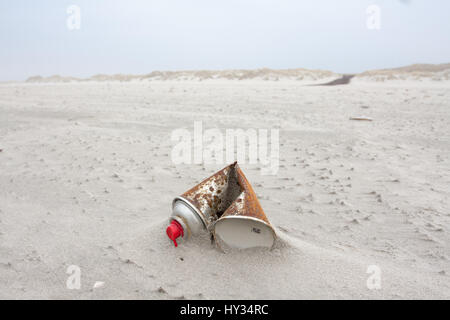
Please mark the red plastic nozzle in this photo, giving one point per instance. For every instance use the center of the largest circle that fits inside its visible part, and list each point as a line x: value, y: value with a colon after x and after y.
x: 174, y: 230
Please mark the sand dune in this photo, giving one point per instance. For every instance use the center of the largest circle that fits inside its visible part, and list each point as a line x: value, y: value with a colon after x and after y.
x: 261, y: 74
x: 435, y: 72
x: 420, y: 72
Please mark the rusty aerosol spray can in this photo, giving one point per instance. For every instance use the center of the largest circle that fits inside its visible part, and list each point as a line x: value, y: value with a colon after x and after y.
x: 226, y: 206
x: 198, y: 208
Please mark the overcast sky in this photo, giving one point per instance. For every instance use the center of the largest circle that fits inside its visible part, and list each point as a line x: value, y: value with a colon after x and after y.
x: 139, y: 36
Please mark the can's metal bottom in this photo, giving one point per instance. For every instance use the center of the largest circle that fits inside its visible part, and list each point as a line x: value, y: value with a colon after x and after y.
x: 240, y: 232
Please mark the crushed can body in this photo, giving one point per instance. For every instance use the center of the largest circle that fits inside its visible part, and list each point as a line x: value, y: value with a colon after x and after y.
x: 226, y: 205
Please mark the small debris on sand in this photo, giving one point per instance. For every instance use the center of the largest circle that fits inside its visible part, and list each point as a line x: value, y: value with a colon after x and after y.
x: 360, y: 118
x: 161, y: 290
x: 98, y: 284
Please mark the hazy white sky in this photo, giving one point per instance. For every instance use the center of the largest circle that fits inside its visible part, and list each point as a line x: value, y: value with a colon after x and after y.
x: 139, y: 36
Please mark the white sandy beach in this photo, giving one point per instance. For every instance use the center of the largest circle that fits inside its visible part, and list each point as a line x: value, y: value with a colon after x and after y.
x: 86, y: 179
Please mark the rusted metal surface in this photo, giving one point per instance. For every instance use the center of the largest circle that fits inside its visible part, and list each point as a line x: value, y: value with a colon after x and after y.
x: 246, y: 204
x: 245, y: 210
x: 226, y: 193
x: 214, y: 195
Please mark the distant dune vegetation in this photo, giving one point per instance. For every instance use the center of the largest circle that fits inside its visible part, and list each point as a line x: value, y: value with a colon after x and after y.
x: 435, y: 72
